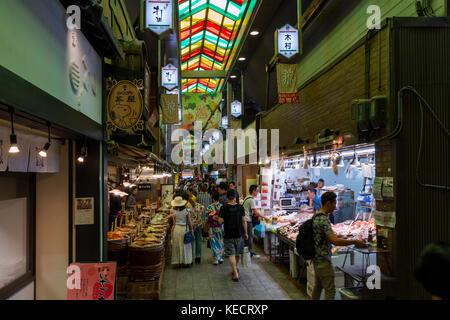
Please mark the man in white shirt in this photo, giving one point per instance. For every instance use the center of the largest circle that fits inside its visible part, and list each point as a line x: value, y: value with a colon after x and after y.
x: 250, y: 210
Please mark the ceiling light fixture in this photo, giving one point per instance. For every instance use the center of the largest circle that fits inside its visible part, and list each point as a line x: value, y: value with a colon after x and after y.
x: 84, y: 153
x: 254, y: 33
x: 43, y: 152
x: 13, y: 147
x: 233, y: 76
x: 242, y: 59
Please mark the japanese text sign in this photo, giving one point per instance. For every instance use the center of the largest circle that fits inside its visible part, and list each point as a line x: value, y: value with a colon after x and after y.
x: 169, y: 77
x: 236, y: 108
x: 287, y: 41
x: 159, y: 16
x: 91, y: 281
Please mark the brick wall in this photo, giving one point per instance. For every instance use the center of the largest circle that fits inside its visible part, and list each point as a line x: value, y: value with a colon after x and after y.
x: 326, y: 101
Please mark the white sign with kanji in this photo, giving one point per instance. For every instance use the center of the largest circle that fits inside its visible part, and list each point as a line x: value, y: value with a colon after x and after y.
x: 169, y: 77
x: 236, y: 108
x: 288, y: 41
x: 159, y: 16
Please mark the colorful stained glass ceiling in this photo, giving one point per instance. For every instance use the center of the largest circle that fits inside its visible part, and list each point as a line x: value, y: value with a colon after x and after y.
x: 209, y: 34
x: 209, y: 85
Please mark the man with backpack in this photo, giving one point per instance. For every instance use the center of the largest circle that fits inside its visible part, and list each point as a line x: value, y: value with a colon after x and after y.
x: 314, y: 243
x: 252, y: 216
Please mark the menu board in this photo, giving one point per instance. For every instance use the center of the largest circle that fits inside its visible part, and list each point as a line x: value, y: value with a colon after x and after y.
x: 83, y: 211
x: 91, y: 281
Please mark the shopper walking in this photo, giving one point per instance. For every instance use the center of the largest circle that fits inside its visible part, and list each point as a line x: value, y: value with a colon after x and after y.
x: 232, y: 216
x: 215, y: 230
x: 232, y: 186
x: 250, y: 212
x: 181, y: 252
x: 323, y: 238
x: 204, y: 199
x: 198, y: 221
x: 222, y: 189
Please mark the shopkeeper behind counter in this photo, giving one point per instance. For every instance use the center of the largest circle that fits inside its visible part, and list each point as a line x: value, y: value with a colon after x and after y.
x: 314, y: 200
x: 131, y: 200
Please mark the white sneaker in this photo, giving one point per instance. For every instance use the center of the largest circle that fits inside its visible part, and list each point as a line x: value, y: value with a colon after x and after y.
x: 256, y: 256
x: 216, y: 263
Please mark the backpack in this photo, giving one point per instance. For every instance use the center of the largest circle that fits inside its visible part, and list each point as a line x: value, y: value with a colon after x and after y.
x: 305, y: 240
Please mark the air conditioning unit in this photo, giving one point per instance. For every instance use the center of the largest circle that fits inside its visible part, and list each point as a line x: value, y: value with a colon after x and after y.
x: 361, y: 114
x: 377, y: 116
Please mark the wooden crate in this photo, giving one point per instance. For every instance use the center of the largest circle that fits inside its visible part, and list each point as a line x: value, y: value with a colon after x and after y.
x: 121, y: 284
x: 150, y: 290
x: 144, y: 290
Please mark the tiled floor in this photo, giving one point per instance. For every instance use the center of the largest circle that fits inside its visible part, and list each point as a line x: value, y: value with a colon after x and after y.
x: 262, y: 281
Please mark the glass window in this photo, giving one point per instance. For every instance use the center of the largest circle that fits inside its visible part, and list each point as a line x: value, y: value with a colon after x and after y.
x: 16, y: 230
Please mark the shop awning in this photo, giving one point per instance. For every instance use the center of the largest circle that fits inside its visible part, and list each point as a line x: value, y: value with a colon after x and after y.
x: 131, y: 156
x: 211, y: 32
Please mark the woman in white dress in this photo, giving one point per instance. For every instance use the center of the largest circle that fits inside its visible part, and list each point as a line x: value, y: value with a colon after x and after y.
x: 181, y: 252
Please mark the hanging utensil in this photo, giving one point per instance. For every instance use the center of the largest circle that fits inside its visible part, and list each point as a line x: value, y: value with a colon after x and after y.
x: 305, y: 162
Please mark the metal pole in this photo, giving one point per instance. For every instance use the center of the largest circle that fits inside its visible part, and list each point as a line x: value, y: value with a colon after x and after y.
x: 299, y: 26
x: 159, y: 93
x: 242, y: 92
x: 267, y: 86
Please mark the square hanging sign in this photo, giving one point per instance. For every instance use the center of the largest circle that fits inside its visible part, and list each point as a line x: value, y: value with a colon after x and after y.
x: 169, y: 77
x: 236, y: 109
x: 158, y: 16
x: 286, y: 41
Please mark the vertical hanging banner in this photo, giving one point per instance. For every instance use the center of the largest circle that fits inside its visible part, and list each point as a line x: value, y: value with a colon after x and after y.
x: 169, y: 77
x: 286, y: 41
x: 287, y: 83
x: 158, y: 16
x: 169, y: 103
x: 206, y: 108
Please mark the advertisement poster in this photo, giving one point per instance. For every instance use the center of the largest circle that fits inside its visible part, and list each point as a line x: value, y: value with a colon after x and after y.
x: 91, y: 281
x: 84, y: 211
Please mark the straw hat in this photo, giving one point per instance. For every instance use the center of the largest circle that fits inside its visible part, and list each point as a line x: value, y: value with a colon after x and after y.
x: 178, y: 202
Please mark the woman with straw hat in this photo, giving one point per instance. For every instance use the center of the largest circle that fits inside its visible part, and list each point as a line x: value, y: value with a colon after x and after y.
x: 181, y: 252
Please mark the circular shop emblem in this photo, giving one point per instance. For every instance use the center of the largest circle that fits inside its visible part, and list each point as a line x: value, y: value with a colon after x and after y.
x: 125, y: 106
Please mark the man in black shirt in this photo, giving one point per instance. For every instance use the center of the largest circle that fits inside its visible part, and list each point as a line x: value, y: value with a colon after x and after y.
x: 232, y: 216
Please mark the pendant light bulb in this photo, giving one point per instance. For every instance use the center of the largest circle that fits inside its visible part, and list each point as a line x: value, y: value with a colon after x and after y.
x: 43, y: 152
x: 14, y: 148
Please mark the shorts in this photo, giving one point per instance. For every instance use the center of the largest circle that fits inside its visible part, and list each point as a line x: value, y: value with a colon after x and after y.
x: 234, y: 247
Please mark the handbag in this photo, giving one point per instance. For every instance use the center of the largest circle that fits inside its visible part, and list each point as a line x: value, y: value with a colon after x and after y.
x: 188, y: 237
x: 255, y: 220
x: 246, y: 258
x: 205, y: 229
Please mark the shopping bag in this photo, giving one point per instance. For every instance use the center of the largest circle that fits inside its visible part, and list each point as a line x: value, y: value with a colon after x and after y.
x: 246, y: 258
